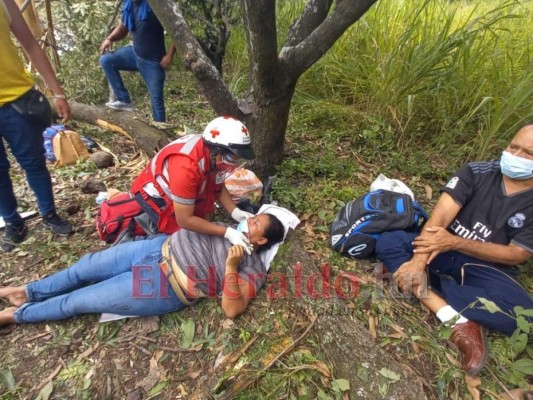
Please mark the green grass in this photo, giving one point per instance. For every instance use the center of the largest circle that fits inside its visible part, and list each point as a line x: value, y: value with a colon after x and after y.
x: 440, y: 74
x: 413, y: 90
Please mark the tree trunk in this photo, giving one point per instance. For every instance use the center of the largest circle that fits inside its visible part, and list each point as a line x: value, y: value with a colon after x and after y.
x: 268, y: 124
x: 146, y: 137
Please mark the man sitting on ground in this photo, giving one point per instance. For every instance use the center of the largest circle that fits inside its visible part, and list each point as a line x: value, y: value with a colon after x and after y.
x: 481, y: 227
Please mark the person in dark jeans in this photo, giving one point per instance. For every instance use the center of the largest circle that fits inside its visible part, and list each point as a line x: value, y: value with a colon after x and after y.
x: 464, y: 258
x: 24, y: 114
x: 147, y: 55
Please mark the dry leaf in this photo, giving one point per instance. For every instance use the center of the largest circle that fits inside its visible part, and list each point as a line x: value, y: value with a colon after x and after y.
x: 429, y: 192
x: 472, y: 382
x: 415, y: 347
x: 89, y: 374
x: 399, y: 330
x: 322, y: 368
x: 148, y: 325
x: 396, y: 336
x: 158, y: 354
x: 182, y: 390
x: 453, y: 360
x: 88, y: 352
x: 276, y: 349
x: 227, y: 323
x: 372, y: 323
x: 154, y: 376
x: 515, y: 394
x: 193, y: 374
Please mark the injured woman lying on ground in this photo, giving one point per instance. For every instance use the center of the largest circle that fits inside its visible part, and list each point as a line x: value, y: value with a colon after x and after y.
x: 153, y: 276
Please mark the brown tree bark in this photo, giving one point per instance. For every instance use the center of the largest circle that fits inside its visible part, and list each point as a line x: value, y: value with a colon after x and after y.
x: 148, y: 138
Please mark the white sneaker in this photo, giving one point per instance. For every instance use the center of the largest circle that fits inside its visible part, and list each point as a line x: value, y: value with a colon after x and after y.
x: 120, y: 105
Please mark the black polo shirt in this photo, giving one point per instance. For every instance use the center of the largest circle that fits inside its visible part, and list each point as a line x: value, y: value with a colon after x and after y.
x: 487, y: 213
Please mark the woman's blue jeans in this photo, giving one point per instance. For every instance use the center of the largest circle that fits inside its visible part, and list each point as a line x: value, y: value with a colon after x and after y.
x: 123, y: 279
x: 125, y: 59
x: 25, y: 138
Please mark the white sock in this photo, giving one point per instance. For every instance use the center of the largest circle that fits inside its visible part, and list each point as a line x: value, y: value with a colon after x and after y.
x: 448, y: 315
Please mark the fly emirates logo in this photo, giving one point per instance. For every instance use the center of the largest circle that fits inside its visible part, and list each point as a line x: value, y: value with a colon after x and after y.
x: 478, y: 232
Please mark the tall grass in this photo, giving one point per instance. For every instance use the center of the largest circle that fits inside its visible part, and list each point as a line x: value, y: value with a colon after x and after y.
x: 444, y: 75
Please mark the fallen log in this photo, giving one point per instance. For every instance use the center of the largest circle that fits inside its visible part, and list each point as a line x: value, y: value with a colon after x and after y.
x: 147, y: 138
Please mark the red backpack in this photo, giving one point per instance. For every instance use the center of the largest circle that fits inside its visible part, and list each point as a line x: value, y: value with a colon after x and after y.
x: 116, y: 215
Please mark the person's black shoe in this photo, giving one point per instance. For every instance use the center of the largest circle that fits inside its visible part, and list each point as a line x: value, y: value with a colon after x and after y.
x: 54, y: 222
x: 13, y: 235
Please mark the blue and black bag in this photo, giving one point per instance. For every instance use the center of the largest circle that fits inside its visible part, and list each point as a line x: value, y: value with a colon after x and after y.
x: 359, y: 223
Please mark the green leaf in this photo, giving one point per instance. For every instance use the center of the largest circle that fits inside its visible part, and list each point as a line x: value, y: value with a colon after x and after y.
x: 520, y: 311
x: 321, y: 395
x: 523, y: 324
x: 362, y: 373
x: 340, y: 385
x: 46, y: 391
x: 445, y: 331
x: 87, y: 384
x: 7, y: 378
x: 489, y: 305
x: 518, y: 341
x: 391, y: 375
x: 514, y: 377
x: 157, y: 388
x: 524, y: 365
x: 187, y: 329
x: 383, y: 389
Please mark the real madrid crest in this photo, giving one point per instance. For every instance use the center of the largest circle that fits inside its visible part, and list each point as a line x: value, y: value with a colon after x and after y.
x: 517, y: 220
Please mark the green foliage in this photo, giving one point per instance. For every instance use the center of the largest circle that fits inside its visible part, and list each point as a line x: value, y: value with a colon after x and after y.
x: 441, y: 75
x: 8, y: 387
x: 80, y: 28
x: 514, y: 357
x: 212, y: 23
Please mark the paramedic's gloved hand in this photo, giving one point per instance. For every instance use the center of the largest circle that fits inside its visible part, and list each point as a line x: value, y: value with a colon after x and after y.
x: 238, y: 215
x: 238, y: 238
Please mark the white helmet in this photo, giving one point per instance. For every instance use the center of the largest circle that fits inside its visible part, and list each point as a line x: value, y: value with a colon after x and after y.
x: 231, y: 134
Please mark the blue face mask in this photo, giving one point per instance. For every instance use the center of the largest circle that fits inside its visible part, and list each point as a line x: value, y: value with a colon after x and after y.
x: 243, y: 226
x: 516, y: 167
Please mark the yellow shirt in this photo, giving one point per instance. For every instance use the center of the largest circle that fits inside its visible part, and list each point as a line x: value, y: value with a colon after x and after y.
x: 15, y: 80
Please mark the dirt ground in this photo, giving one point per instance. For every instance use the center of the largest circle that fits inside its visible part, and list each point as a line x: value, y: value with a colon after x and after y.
x: 272, y: 351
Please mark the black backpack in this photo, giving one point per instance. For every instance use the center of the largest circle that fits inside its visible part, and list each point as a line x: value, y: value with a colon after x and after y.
x: 359, y: 223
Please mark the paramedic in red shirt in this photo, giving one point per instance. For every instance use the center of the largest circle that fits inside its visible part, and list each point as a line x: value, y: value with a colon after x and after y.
x: 180, y: 185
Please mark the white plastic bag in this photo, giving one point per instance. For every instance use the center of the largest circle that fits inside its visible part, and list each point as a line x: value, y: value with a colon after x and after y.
x: 394, y: 185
